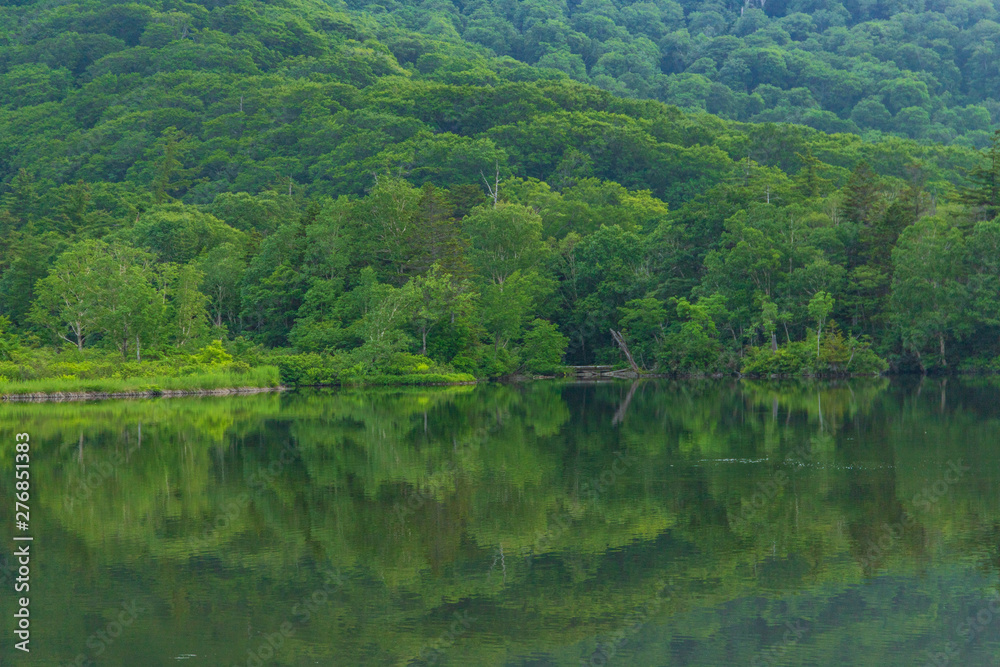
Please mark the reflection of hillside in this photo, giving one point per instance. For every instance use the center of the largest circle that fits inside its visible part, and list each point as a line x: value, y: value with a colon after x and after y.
x: 513, y: 502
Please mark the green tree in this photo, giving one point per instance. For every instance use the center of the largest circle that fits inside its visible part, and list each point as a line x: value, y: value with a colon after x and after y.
x: 129, y: 310
x: 222, y: 269
x: 820, y: 307
x: 862, y: 195
x: 169, y: 175
x: 543, y: 347
x: 808, y: 181
x: 982, y: 194
x: 28, y: 259
x: 187, y: 303
x: 695, y: 347
x: 389, y: 213
x: 506, y: 307
x: 435, y: 237
x: 8, y: 342
x: 929, y: 296
x: 66, y: 301
x: 95, y: 287
x: 983, y: 248
x: 769, y: 322
x: 439, y: 298
x: 385, y: 312
x: 179, y: 233
x: 643, y: 323
x: 503, y: 239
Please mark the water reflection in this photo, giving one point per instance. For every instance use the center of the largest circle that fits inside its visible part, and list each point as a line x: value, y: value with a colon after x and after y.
x: 650, y: 523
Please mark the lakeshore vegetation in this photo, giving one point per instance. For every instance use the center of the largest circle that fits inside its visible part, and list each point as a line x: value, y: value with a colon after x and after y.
x: 205, y: 194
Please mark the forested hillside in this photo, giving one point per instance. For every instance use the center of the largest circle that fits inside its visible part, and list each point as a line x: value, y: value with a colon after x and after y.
x: 350, y: 194
x: 927, y: 70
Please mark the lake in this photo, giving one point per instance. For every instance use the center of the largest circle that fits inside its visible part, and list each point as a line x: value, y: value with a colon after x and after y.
x: 651, y: 523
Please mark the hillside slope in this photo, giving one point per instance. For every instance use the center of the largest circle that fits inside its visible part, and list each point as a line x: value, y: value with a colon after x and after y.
x: 924, y: 70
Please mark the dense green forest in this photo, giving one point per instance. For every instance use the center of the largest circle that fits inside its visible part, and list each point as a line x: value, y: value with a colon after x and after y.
x: 926, y: 70
x: 348, y: 193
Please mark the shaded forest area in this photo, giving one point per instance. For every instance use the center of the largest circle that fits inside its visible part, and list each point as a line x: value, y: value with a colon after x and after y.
x: 345, y: 195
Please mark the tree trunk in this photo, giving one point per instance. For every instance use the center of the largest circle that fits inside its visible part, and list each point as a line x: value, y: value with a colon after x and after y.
x: 624, y: 348
x: 944, y: 361
x: 423, y: 336
x: 774, y: 342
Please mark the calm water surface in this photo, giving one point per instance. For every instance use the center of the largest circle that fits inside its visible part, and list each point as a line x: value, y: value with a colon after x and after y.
x: 660, y: 523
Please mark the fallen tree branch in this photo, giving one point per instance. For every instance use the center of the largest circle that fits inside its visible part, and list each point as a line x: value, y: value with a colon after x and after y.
x: 624, y: 348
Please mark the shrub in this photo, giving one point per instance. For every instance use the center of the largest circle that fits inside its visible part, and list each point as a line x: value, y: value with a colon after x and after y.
x: 693, y: 349
x: 10, y: 371
x: 544, y: 347
x: 308, y: 368
x: 212, y: 354
x: 977, y: 364
x: 837, y: 356
x: 403, y: 363
x: 239, y: 367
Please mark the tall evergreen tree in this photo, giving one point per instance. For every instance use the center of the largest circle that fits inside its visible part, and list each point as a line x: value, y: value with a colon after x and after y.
x: 982, y: 194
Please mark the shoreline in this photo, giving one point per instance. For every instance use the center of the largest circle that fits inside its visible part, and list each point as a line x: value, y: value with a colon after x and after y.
x: 59, y: 396
x: 66, y: 396
x: 619, y: 375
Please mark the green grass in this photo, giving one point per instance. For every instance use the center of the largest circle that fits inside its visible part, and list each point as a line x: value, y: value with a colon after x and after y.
x: 261, y: 376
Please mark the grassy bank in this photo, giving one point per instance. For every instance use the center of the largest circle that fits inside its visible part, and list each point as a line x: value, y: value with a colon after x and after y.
x: 263, y: 376
x: 39, y: 372
x: 260, y: 377
x: 215, y: 368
